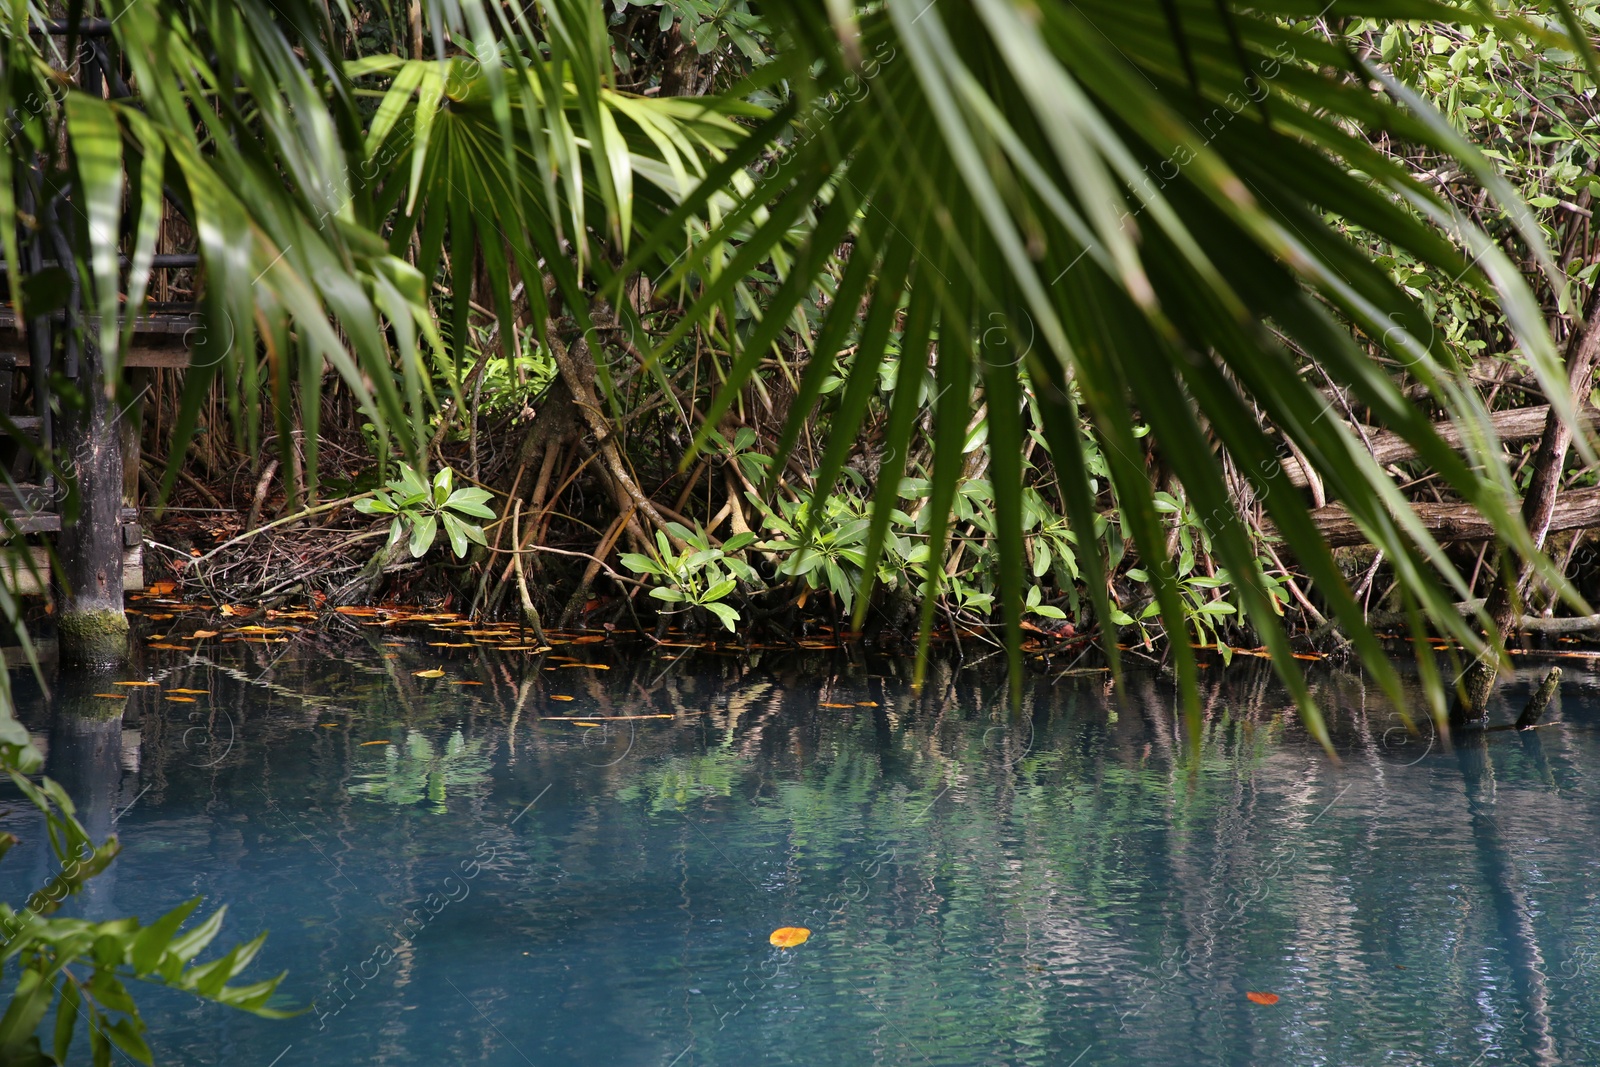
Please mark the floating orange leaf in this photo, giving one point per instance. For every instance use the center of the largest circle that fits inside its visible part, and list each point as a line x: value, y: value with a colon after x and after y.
x: 113, y: 696
x: 576, y: 723
x: 203, y: 635
x: 465, y: 681
x: 825, y: 704
x: 348, y: 609
x: 561, y: 696
x: 590, y: 666
x: 328, y: 725
x: 435, y: 673
x: 450, y: 644
x: 139, y: 684
x: 236, y: 610
x: 866, y: 703
x: 163, y: 617
x: 166, y: 647
x: 161, y: 588
x: 789, y: 936
x: 181, y: 700
x: 364, y: 744
x: 1262, y: 998
x: 191, y: 692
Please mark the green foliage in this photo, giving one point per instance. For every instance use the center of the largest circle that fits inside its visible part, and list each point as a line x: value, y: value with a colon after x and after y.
x: 82, y: 969
x: 420, y: 509
x: 701, y: 576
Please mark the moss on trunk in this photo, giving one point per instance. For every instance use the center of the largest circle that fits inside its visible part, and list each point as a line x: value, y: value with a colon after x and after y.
x: 95, y: 637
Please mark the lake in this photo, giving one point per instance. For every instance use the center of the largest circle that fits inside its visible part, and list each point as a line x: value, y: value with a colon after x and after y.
x: 456, y: 870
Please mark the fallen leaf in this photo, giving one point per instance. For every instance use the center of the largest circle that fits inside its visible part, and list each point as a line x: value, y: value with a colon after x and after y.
x: 866, y: 703
x: 169, y: 648
x: 163, y: 617
x: 181, y: 700
x: 1262, y: 998
x: 347, y: 609
x: 576, y: 723
x: 435, y: 673
x: 161, y: 588
x: 561, y: 696
x: 827, y: 705
x: 236, y: 610
x: 789, y: 936
x: 203, y: 635
x: 113, y: 696
x: 364, y: 744
x: 450, y: 644
x: 140, y: 684
x: 329, y: 725
x: 588, y: 639
x: 590, y: 666
x: 191, y: 692
x: 465, y: 681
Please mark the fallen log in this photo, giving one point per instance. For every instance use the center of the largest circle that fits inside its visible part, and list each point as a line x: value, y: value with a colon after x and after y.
x: 1533, y: 624
x: 1575, y: 510
x: 1511, y: 425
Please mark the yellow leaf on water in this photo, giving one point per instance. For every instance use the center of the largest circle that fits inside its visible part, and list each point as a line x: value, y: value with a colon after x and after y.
x: 166, y: 647
x: 451, y: 644
x: 139, y: 684
x: 203, y: 635
x: 576, y: 723
x: 191, y: 692
x: 181, y: 700
x: 465, y: 681
x: 789, y: 936
x: 561, y: 696
x: 329, y: 725
x: 590, y: 666
x: 113, y: 696
x: 435, y: 673
x: 866, y: 703
x: 827, y: 705
x: 364, y: 744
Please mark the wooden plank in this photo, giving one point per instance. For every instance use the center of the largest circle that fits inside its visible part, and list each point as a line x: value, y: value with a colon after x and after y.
x: 15, y: 575
x: 164, y: 357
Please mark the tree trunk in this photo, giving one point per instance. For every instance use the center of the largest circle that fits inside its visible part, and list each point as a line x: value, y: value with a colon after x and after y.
x: 92, y: 627
x: 1538, y: 505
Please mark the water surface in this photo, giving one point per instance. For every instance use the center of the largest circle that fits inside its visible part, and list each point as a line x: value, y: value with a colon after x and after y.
x: 496, y: 885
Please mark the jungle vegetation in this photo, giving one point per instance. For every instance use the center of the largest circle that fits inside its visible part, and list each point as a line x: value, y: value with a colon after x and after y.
x: 1164, y: 325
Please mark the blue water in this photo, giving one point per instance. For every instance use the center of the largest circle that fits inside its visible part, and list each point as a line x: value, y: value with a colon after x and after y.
x: 496, y: 886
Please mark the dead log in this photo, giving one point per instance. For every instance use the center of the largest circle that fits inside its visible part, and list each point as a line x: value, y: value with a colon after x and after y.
x: 1511, y: 425
x: 1578, y: 509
